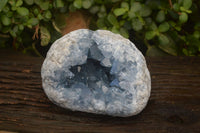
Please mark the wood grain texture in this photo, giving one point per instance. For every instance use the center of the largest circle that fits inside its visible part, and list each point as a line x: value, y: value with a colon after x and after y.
x: 174, y: 105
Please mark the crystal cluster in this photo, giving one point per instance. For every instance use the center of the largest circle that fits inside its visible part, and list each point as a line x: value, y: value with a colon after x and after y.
x: 97, y: 72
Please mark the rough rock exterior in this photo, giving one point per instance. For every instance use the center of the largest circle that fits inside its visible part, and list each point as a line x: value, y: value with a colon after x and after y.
x: 97, y: 72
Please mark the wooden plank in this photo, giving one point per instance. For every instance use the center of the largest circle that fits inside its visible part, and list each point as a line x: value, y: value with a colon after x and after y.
x: 174, y: 104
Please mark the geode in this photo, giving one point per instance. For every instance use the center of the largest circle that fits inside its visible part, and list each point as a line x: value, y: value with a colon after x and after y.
x: 97, y: 72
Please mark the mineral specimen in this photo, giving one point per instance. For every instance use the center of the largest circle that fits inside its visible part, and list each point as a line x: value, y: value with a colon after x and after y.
x: 97, y: 72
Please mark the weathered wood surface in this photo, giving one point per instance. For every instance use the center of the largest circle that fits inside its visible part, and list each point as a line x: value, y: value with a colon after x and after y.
x: 174, y: 104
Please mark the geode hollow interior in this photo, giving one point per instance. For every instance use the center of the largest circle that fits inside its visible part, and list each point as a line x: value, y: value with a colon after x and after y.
x: 97, y: 72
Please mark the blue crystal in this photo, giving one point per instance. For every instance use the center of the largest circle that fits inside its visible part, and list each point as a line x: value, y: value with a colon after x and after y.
x: 115, y: 83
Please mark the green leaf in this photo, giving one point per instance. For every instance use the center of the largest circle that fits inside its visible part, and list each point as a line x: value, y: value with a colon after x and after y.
x: 188, y: 11
x: 13, y: 8
x: 119, y: 11
x: 94, y: 9
x: 59, y: 3
x: 154, y: 51
x: 55, y: 35
x: 187, y: 4
x: 145, y: 11
x: 48, y: 14
x: 29, y: 2
x: 180, y: 2
x: 36, y: 11
x: 101, y: 23
x: 115, y: 30
x: 148, y: 20
x: 124, y: 32
x: 137, y: 24
x: 136, y: 6
x: 185, y: 51
x: 164, y: 27
x: 167, y: 44
x: 21, y: 27
x: 87, y: 4
x: 192, y: 41
x: 103, y: 9
x: 176, y: 7
x: 33, y: 21
x: 160, y: 17
x: 44, y: 5
x: 101, y: 14
x: 77, y: 4
x: 72, y: 8
x: 183, y: 17
x: 2, y: 4
x: 122, y: 22
x: 5, y: 20
x: 15, y: 29
x: 13, y: 34
x: 153, y: 26
x: 172, y: 23
x: 163, y: 39
x: 39, y: 16
x: 12, y: 2
x: 154, y: 4
x: 22, y: 11
x: 19, y: 3
x: 112, y: 19
x: 6, y: 9
x: 131, y: 14
x: 38, y: 2
x: 196, y: 34
x: 125, y: 5
x: 45, y: 36
x: 185, y: 10
x: 178, y: 28
x: 150, y: 35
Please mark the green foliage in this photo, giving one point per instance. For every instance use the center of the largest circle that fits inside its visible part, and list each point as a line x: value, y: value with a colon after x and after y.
x: 22, y: 11
x: 160, y: 16
x: 183, y: 17
x: 119, y: 11
x: 5, y: 20
x: 162, y: 27
x: 77, y: 4
x: 2, y: 4
x: 45, y: 36
x: 87, y: 4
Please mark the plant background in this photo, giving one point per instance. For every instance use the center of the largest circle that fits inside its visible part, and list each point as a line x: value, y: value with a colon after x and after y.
x: 157, y: 27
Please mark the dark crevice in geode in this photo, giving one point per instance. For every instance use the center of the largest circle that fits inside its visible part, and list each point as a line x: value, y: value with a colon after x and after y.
x: 91, y: 73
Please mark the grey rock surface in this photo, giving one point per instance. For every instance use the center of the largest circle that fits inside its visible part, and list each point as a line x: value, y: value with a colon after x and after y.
x: 97, y: 72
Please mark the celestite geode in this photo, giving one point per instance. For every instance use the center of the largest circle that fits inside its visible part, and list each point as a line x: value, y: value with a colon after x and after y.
x: 97, y: 72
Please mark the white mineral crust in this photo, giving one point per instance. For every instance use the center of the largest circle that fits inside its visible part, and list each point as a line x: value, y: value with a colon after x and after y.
x: 97, y: 72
